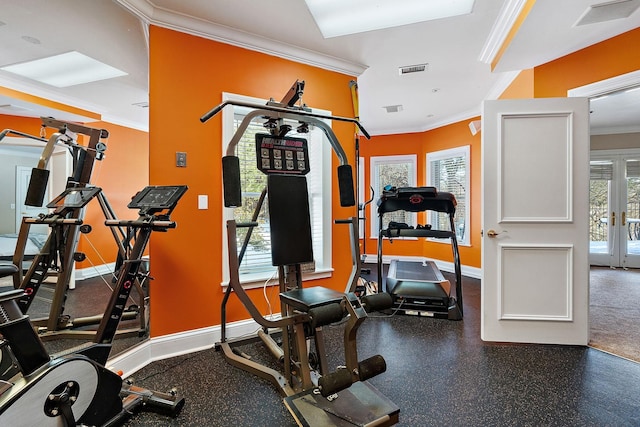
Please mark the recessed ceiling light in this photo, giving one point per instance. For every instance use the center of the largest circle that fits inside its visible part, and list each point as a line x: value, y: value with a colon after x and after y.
x: 342, y: 17
x: 67, y: 69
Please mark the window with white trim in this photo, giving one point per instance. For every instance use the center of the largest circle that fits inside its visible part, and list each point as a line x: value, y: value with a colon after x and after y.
x: 256, y: 265
x: 391, y: 171
x: 448, y: 170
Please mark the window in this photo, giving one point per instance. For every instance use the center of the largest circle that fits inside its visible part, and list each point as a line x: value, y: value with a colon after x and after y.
x: 448, y: 170
x: 395, y: 171
x: 256, y: 263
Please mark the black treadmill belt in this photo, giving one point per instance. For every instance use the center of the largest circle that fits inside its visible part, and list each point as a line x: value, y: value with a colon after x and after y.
x: 406, y: 270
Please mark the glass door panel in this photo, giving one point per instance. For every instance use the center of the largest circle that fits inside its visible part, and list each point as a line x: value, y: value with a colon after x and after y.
x: 632, y: 213
x: 601, y: 246
x: 614, y: 209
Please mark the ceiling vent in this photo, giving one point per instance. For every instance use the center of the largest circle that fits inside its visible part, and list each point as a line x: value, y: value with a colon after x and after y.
x: 10, y: 108
x: 410, y: 69
x: 393, y: 108
x: 608, y: 11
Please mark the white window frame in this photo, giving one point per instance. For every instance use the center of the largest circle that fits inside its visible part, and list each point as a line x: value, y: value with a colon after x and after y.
x: 322, y: 250
x: 436, y: 156
x: 377, y: 161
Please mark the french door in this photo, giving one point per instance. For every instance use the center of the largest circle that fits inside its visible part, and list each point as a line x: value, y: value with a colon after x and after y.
x: 614, y: 211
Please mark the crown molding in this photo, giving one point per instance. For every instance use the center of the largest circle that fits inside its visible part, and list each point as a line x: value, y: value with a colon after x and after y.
x: 152, y: 15
x: 503, y: 24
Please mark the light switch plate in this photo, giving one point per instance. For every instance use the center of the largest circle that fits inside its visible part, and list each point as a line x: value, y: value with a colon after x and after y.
x: 181, y: 159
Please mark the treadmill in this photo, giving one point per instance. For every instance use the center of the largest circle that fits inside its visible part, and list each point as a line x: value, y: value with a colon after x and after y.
x: 418, y: 287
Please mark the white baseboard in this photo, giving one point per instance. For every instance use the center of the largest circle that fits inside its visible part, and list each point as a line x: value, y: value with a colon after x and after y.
x: 95, y: 271
x: 178, y: 344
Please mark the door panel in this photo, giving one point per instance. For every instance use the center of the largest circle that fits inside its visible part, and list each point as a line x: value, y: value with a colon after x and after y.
x: 535, y: 243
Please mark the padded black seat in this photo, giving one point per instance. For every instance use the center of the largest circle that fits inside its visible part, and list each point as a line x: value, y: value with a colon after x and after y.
x: 304, y: 299
x: 8, y: 270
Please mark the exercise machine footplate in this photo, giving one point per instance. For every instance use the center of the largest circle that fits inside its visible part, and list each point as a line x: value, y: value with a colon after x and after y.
x: 359, y: 405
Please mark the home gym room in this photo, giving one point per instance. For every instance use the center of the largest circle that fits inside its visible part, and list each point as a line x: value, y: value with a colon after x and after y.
x: 543, y: 337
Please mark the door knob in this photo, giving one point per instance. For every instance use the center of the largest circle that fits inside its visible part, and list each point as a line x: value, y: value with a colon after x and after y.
x: 492, y: 233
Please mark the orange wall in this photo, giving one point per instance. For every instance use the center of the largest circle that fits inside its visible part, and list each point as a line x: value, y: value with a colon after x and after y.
x: 520, y: 87
x: 187, y: 77
x: 446, y: 137
x: 610, y: 58
x: 21, y: 124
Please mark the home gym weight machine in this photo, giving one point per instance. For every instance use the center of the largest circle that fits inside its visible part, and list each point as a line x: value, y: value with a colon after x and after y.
x: 420, y: 287
x: 75, y: 389
x: 59, y: 254
x: 313, y: 395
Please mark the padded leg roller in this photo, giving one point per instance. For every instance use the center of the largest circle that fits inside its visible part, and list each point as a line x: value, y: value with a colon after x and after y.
x: 334, y: 382
x: 369, y: 368
x: 37, y: 187
x: 377, y: 302
x: 326, y: 314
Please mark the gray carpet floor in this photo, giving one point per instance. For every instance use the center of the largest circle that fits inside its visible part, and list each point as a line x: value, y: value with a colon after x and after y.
x: 614, y: 311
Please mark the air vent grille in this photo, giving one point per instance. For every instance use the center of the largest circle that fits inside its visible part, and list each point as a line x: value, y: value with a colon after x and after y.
x: 410, y: 69
x: 608, y: 11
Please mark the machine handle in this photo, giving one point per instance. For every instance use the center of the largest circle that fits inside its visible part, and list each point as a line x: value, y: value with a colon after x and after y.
x: 53, y: 220
x: 139, y: 223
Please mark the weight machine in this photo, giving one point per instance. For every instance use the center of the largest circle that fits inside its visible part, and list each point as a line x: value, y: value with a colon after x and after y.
x: 313, y: 395
x: 75, y: 389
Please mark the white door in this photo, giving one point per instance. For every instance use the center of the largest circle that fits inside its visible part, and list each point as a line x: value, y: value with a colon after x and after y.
x: 614, y: 208
x: 23, y: 176
x: 535, y: 245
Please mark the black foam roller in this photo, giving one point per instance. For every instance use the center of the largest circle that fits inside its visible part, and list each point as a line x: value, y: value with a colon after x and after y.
x: 37, y: 187
x: 326, y: 314
x: 334, y: 382
x: 345, y: 184
x: 231, y: 181
x: 79, y: 167
x: 369, y: 368
x: 377, y: 302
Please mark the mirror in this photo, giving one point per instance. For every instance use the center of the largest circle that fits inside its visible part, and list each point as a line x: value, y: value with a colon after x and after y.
x: 91, y: 284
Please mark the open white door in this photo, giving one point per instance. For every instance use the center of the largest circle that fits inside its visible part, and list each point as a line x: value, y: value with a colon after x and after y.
x: 535, y: 245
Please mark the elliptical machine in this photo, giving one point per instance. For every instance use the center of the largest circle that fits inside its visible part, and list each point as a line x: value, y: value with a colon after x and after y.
x: 76, y: 389
x: 313, y: 394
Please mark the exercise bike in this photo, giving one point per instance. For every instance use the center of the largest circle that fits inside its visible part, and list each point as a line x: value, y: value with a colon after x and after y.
x: 312, y: 393
x: 76, y: 388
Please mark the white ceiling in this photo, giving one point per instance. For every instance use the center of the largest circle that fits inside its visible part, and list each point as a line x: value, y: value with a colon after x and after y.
x: 458, y: 51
